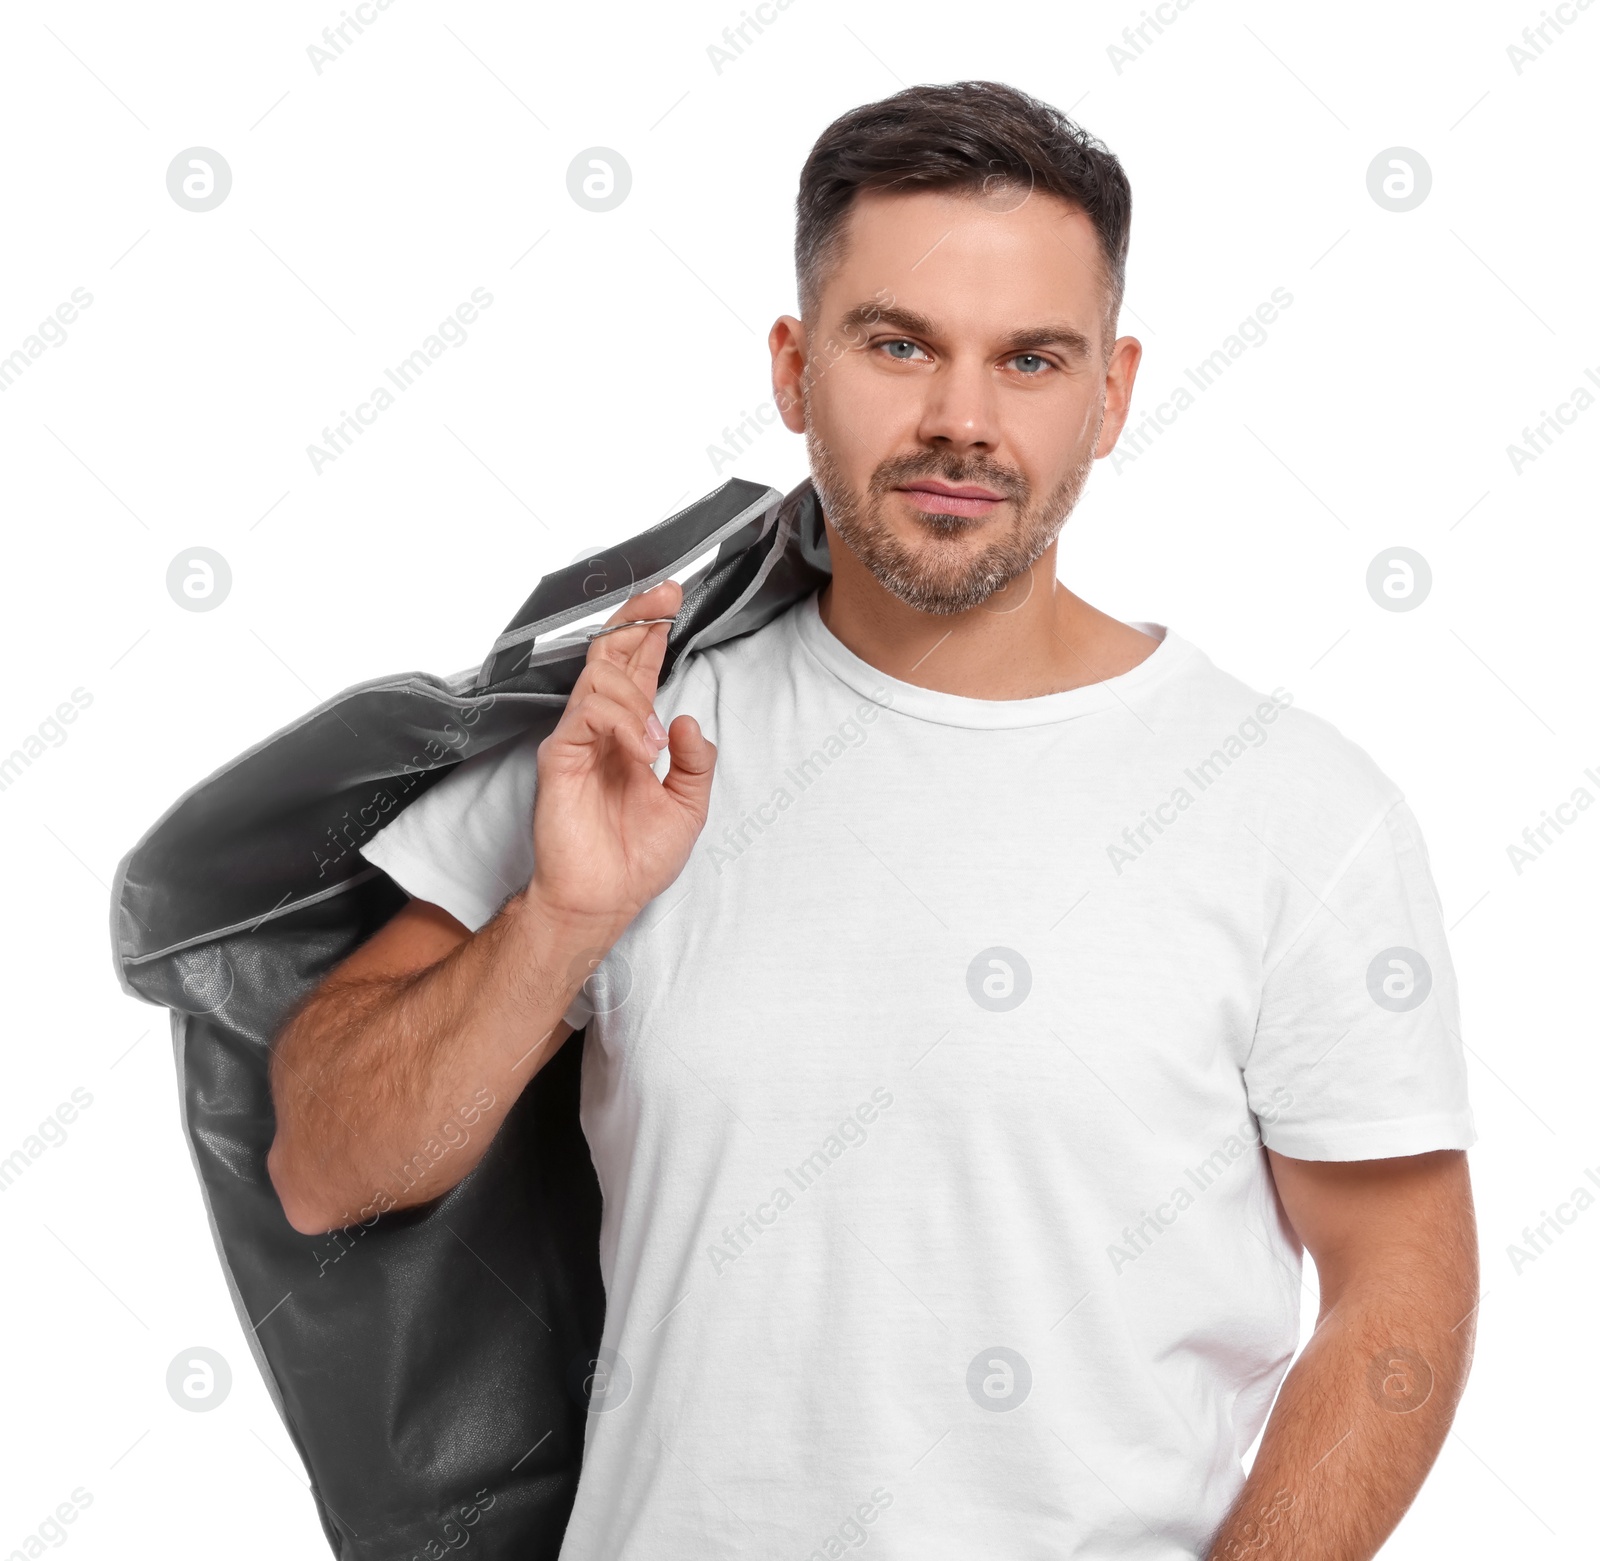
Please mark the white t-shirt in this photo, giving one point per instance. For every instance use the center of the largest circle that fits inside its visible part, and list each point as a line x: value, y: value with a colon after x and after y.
x: 927, y: 1104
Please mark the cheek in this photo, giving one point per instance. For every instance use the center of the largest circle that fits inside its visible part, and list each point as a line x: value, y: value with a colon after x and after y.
x: 1049, y: 436
x: 1084, y: 408
x: 1095, y: 430
x: 865, y: 416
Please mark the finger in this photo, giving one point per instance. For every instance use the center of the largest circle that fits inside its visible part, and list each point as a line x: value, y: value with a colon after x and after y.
x: 639, y: 651
x: 587, y: 722
x: 650, y: 644
x: 612, y: 682
x: 694, y: 758
x: 647, y: 604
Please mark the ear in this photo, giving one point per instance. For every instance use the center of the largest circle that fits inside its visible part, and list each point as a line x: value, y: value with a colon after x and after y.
x: 1120, y: 374
x: 787, y: 342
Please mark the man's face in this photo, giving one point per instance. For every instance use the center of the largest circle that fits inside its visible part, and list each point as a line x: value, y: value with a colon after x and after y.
x: 955, y: 387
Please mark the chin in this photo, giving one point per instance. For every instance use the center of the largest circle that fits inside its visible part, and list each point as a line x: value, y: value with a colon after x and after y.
x: 942, y: 593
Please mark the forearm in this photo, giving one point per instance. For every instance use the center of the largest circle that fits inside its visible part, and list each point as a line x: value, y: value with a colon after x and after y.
x: 388, y: 1089
x: 1359, y: 1420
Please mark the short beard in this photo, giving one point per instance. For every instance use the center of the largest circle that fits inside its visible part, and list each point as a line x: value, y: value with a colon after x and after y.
x: 935, y: 577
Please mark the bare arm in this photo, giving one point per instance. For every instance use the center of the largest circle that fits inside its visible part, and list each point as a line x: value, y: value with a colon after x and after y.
x: 392, y: 1078
x: 1364, y: 1410
x: 422, y: 1040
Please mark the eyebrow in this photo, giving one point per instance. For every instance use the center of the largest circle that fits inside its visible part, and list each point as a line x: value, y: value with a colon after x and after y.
x: 1053, y: 334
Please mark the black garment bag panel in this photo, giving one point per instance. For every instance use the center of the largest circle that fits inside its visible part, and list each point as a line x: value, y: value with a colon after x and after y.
x: 431, y: 1364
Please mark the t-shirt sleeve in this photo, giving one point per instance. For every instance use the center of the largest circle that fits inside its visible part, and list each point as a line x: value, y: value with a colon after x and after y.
x: 1357, y: 1052
x: 467, y: 843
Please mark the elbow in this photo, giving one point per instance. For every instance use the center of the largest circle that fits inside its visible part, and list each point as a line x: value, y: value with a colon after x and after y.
x: 300, y: 1207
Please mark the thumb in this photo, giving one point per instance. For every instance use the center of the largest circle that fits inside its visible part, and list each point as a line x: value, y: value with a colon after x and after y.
x: 693, y: 759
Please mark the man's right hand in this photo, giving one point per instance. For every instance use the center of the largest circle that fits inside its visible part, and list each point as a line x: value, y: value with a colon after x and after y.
x: 608, y: 836
x: 405, y: 1039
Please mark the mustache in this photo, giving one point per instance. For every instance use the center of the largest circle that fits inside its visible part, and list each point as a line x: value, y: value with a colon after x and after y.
x: 925, y: 465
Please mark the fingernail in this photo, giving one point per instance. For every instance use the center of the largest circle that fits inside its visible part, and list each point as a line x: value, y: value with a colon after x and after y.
x: 658, y: 733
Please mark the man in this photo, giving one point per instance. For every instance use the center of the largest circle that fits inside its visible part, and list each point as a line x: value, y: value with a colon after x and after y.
x: 985, y: 999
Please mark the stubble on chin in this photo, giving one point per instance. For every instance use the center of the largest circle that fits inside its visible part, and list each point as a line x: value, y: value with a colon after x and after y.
x: 939, y: 574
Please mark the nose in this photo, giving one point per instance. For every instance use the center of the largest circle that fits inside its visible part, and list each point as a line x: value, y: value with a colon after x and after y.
x: 960, y: 410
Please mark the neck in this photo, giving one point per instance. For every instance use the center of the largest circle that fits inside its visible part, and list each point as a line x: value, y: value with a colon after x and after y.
x: 1032, y: 637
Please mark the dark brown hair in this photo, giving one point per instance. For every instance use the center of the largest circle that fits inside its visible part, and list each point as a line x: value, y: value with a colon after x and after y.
x: 981, y: 136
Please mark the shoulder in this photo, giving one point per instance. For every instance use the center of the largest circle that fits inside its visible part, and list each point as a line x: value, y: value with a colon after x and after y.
x: 748, y: 644
x: 1301, y: 771
x: 466, y: 843
x: 1302, y: 811
x: 747, y: 657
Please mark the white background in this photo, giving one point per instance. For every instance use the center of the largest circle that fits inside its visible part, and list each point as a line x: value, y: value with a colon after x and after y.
x: 367, y: 203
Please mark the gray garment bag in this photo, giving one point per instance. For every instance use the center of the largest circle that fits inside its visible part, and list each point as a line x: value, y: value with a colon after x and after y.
x: 432, y: 1364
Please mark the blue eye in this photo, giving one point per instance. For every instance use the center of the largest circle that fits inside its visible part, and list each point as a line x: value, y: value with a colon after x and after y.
x: 1033, y: 357
x: 891, y: 345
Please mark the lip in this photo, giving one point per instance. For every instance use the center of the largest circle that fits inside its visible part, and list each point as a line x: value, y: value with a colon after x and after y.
x: 939, y: 498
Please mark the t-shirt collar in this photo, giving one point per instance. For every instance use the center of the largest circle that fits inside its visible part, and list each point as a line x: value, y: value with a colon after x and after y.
x: 930, y: 704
